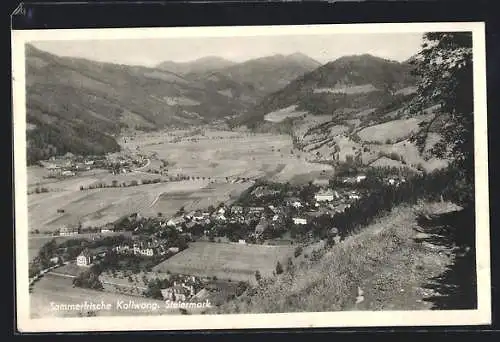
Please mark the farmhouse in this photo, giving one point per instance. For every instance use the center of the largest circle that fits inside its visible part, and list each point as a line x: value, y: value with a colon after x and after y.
x: 109, y: 228
x: 142, y: 249
x: 256, y: 210
x: 324, y: 196
x: 176, y: 221
x: 68, y: 231
x: 235, y: 209
x: 360, y: 178
x: 121, y: 248
x: 178, y: 292
x: 298, y: 220
x: 84, y: 258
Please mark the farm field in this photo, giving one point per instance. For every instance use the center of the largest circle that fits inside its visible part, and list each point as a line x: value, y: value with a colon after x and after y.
x: 168, y: 203
x: 393, y: 130
x: 36, y: 178
x: 282, y: 114
x: 59, y: 290
x: 216, y: 155
x: 98, y: 206
x: 226, y: 260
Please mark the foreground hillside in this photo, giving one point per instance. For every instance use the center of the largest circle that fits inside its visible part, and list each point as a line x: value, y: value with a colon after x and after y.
x: 76, y: 105
x: 397, y: 262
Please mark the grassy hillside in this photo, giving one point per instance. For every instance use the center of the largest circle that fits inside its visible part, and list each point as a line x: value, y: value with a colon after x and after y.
x: 354, y: 108
x: 390, y: 264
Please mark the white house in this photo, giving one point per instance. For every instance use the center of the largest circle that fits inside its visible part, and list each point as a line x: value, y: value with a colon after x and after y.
x: 173, y: 249
x: 360, y: 178
x: 68, y: 231
x: 354, y: 196
x: 84, y: 259
x: 324, y: 196
x: 147, y: 252
x: 297, y: 220
x: 175, y: 221
x: 242, y: 242
x: 107, y: 229
x: 296, y: 204
x: 236, y: 209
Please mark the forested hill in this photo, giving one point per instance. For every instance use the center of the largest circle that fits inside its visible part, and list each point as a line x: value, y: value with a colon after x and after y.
x: 350, y: 83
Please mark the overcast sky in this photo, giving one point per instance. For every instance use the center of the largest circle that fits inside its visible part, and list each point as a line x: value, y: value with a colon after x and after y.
x: 323, y: 48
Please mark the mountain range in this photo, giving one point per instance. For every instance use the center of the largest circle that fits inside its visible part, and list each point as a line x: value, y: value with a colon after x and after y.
x: 77, y: 105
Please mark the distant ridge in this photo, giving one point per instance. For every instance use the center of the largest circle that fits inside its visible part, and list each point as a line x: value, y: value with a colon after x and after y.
x: 200, y: 65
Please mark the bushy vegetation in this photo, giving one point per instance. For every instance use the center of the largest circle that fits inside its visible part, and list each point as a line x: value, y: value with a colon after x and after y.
x: 88, y: 279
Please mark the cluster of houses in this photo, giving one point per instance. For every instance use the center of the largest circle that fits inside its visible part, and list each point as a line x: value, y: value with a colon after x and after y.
x: 394, y: 180
x: 184, y: 288
x: 68, y: 165
x: 72, y: 230
x: 147, y: 248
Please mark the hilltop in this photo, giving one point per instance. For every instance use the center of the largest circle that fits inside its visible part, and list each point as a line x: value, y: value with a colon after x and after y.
x: 263, y: 75
x: 200, y: 65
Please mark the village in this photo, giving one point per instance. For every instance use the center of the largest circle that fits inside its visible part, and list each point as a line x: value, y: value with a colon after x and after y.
x: 70, y: 165
x: 266, y: 214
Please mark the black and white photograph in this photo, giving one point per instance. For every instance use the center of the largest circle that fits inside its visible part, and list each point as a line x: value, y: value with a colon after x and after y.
x: 251, y: 177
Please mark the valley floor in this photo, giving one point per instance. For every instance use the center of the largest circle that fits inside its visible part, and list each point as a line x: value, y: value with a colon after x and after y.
x: 408, y: 260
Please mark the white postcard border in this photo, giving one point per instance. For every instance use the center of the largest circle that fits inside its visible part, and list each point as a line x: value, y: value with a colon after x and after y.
x: 243, y: 321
